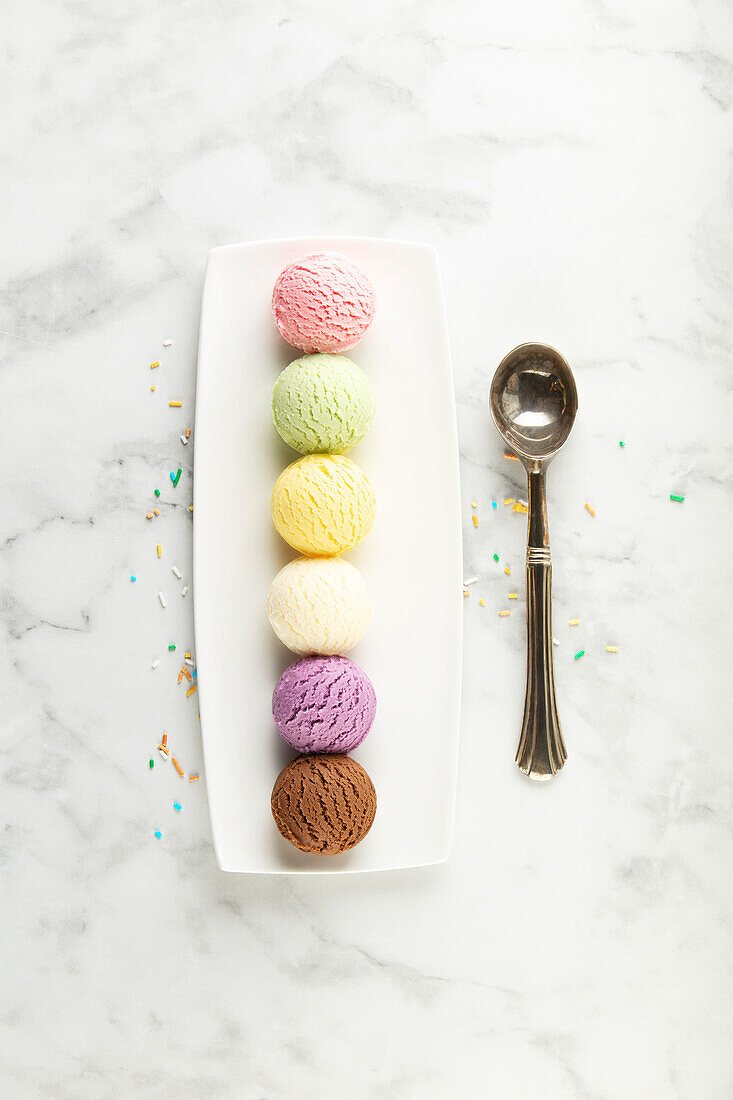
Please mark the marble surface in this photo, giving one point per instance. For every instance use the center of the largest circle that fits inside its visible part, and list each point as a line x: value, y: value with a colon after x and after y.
x: 570, y: 163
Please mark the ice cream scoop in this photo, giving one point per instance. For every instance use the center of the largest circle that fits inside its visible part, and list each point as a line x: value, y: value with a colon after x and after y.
x: 323, y: 505
x: 323, y: 804
x: 322, y: 404
x: 323, y: 302
x: 324, y: 704
x: 319, y: 606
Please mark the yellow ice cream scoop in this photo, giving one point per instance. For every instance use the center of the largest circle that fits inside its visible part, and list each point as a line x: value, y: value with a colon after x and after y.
x: 323, y: 505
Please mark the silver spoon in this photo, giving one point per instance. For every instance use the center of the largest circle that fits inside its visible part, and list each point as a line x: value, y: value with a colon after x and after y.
x: 533, y: 402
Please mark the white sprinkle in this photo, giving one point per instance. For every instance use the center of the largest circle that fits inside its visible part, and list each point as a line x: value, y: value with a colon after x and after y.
x: 523, y: 502
x: 183, y: 440
x: 155, y: 664
x: 161, y: 597
x: 188, y: 661
x: 163, y: 754
x: 176, y: 572
x: 184, y: 590
x: 555, y: 641
x: 167, y: 343
x: 470, y: 580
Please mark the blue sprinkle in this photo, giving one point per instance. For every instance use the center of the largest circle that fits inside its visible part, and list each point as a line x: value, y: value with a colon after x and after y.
x: 158, y: 833
x: 493, y: 504
x: 172, y: 476
x: 133, y: 578
x: 195, y: 673
x: 177, y: 806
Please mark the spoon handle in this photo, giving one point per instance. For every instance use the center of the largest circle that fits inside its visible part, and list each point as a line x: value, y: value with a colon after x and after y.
x: 541, y: 752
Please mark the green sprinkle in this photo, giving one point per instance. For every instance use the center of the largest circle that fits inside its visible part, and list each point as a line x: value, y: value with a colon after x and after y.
x: 157, y: 492
x: 673, y: 497
x: 621, y: 443
x: 171, y: 647
x: 175, y: 478
x: 496, y: 557
x: 579, y: 654
x: 152, y: 763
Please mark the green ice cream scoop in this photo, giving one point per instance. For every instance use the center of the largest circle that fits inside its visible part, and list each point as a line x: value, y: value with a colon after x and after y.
x: 322, y: 404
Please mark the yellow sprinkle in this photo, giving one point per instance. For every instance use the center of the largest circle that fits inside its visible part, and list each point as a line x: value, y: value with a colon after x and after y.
x: 152, y: 389
x: 187, y: 656
x: 475, y: 520
x: 175, y: 404
x: 190, y: 507
x: 509, y: 500
x: 508, y: 571
x: 482, y: 601
x: 503, y: 613
x: 154, y: 365
x: 574, y: 622
x: 611, y: 649
x: 466, y: 593
x: 474, y: 504
x: 589, y: 509
x: 156, y: 512
x: 159, y: 548
x: 191, y: 691
x: 519, y: 507
x: 148, y: 515
x: 513, y: 595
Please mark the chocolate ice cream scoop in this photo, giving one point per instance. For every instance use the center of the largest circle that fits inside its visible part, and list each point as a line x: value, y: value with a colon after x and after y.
x: 324, y: 803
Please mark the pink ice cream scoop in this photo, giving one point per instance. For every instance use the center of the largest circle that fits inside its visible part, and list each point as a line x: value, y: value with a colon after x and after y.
x: 324, y: 704
x: 323, y: 302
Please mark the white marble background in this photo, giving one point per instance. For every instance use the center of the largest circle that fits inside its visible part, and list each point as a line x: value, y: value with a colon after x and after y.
x: 571, y: 164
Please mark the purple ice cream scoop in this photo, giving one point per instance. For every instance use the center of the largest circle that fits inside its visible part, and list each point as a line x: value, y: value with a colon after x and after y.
x: 324, y: 704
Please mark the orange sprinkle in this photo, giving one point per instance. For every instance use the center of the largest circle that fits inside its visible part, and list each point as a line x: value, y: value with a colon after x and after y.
x: 165, y: 739
x: 156, y: 512
x: 180, y: 676
x: 187, y: 674
x: 509, y: 454
x: 162, y: 748
x: 149, y: 515
x: 188, y: 436
x: 154, y: 365
x: 192, y: 778
x: 190, y: 691
x: 177, y: 766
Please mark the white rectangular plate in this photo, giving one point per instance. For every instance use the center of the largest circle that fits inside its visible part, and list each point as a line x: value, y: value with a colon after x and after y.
x: 411, y: 560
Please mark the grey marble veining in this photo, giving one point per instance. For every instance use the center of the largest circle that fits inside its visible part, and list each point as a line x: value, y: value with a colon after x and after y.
x: 571, y: 165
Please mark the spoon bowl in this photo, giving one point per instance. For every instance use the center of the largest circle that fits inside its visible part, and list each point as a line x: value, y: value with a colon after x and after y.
x: 533, y: 401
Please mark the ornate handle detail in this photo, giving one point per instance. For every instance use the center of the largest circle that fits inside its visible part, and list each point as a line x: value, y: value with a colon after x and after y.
x: 541, y: 752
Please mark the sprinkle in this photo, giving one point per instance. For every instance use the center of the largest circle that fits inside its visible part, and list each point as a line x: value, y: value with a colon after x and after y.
x: 152, y: 389
x: 513, y: 595
x: 474, y: 504
x: 494, y: 504
x: 509, y: 500
x: 161, y: 597
x: 133, y: 579
x: 555, y: 641
x: 175, y: 404
x: 188, y: 433
x: 191, y: 691
x: 177, y: 807
x: 190, y: 507
x: 183, y: 439
x: 470, y: 580
x: 611, y: 649
x: 159, y: 550
x: 187, y: 656
x: 503, y: 614
x: 175, y: 478
x: 524, y: 502
x: 482, y: 601
x: 184, y: 590
x: 155, y: 664
x: 158, y: 833
x: 475, y: 520
x: 152, y: 762
x: 156, y: 512
x: 177, y: 766
x: 466, y: 593
x: 520, y: 507
x: 495, y: 557
x: 164, y: 752
x: 193, y: 778
x: 673, y: 496
x: 510, y: 454
x: 157, y: 492
x: 176, y: 572
x: 579, y: 654
x: 154, y: 365
x: 195, y: 673
x: 574, y: 622
x: 167, y: 343
x: 148, y: 515
x: 507, y: 570
x: 188, y: 660
x: 164, y: 739
x: 589, y: 509
x: 186, y: 673
x: 180, y: 676
x: 171, y: 647
x: 621, y: 443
